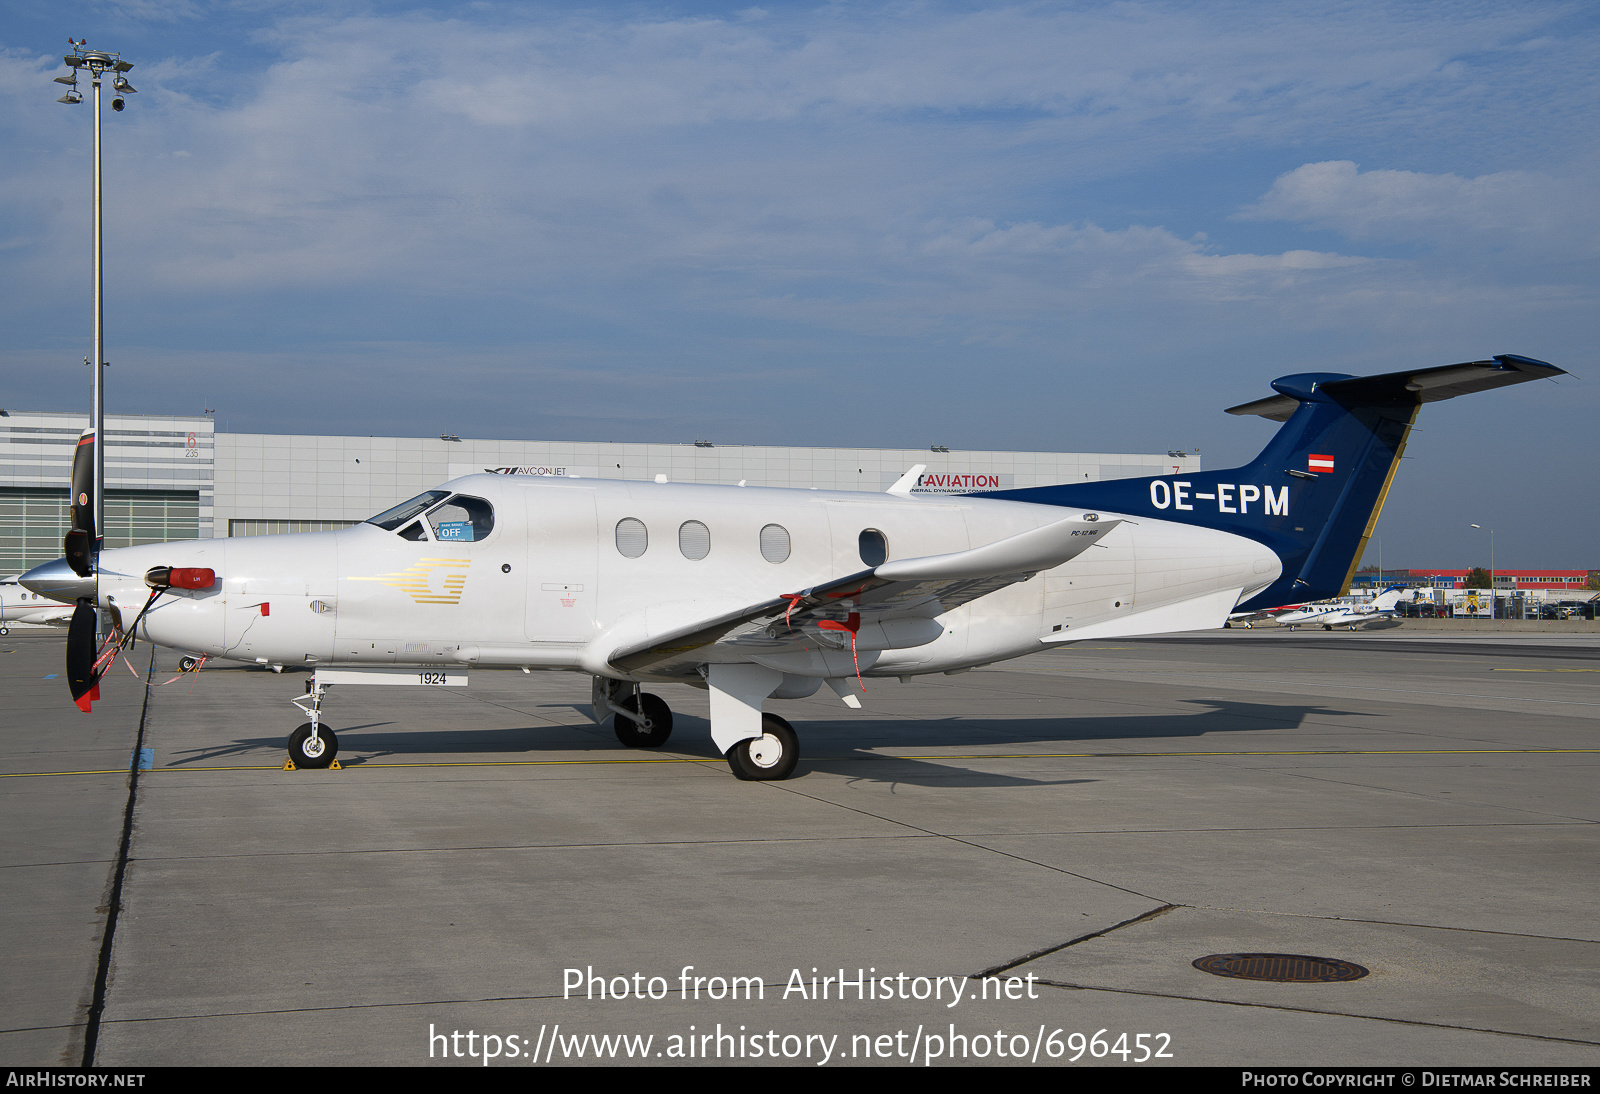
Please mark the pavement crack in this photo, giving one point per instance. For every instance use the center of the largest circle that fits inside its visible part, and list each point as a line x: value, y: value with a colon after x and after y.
x: 1036, y: 954
x: 102, y: 975
x: 1315, y: 1010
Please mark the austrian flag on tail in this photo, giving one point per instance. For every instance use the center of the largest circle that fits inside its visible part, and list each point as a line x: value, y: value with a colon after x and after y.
x: 1315, y: 462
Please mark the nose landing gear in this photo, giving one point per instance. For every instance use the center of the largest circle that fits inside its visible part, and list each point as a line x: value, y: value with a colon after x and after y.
x: 312, y: 745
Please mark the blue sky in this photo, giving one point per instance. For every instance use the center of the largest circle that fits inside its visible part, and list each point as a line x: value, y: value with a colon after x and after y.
x: 1072, y: 227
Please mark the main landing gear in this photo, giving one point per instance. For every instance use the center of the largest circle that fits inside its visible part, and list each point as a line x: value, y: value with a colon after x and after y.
x: 644, y: 720
x: 639, y: 720
x: 313, y: 744
x: 769, y: 756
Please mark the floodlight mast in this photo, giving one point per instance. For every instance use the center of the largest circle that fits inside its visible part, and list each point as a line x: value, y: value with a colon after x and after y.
x: 97, y: 62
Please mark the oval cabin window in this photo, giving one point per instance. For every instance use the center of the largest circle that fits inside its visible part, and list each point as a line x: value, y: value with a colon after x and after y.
x: 694, y: 540
x: 632, y: 539
x: 775, y: 543
x: 874, y: 547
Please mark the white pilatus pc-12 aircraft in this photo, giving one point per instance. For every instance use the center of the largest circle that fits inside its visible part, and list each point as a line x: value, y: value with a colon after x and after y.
x: 758, y: 594
x: 1376, y: 612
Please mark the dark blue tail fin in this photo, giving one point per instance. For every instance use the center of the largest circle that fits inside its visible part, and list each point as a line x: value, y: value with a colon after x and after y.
x: 1315, y: 492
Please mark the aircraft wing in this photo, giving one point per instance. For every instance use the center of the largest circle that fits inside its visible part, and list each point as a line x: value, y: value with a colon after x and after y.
x: 909, y: 588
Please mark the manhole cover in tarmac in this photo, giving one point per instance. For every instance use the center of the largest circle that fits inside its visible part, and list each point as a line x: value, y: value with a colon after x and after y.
x: 1281, y: 968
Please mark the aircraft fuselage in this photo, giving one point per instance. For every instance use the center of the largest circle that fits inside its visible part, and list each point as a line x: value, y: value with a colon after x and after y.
x: 551, y: 587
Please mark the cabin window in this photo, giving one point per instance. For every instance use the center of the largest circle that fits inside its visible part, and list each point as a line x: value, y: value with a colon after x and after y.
x: 462, y: 519
x: 775, y: 543
x: 873, y: 546
x: 632, y: 537
x: 694, y: 540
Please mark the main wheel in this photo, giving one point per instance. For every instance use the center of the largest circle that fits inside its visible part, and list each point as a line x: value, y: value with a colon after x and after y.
x: 187, y: 664
x: 653, y: 731
x: 308, y: 753
x: 769, y: 756
x: 4, y: 631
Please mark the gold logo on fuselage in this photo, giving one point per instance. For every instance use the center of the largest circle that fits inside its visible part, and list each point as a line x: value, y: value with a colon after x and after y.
x: 416, y: 580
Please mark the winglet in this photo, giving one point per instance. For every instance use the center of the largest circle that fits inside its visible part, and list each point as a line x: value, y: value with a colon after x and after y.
x: 902, y: 486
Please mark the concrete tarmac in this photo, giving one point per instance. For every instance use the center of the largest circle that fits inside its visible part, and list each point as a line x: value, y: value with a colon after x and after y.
x: 1056, y: 838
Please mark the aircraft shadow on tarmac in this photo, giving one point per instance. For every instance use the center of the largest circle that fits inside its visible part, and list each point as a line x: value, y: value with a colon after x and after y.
x: 841, y: 746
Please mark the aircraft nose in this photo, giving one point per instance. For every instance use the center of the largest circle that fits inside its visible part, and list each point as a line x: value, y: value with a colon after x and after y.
x: 57, y: 581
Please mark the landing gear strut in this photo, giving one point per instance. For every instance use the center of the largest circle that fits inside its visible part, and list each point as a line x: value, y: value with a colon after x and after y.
x: 769, y: 756
x: 653, y: 725
x: 312, y: 745
x: 640, y: 720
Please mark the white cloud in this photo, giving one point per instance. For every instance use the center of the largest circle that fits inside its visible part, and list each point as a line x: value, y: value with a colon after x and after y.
x: 1520, y: 205
x: 909, y: 170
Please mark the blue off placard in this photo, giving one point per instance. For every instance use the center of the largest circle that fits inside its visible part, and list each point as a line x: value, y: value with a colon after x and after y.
x: 458, y: 531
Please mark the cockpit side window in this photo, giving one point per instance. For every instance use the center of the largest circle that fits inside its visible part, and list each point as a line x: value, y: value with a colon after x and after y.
x: 390, y: 519
x: 462, y: 519
x: 414, y: 532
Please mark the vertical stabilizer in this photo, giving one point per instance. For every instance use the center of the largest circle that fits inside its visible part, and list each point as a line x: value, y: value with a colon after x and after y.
x: 1315, y: 492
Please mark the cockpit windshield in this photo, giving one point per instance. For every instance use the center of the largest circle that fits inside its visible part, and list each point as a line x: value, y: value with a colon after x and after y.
x: 462, y: 519
x: 390, y: 519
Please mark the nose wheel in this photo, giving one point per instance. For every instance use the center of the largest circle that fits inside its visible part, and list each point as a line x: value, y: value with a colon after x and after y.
x: 313, y: 750
x: 767, y: 757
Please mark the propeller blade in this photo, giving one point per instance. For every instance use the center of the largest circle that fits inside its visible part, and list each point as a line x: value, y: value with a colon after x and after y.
x: 78, y: 546
x: 81, y: 650
x: 79, y: 543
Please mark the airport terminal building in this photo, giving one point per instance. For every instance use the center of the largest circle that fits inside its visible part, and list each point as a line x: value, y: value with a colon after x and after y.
x: 171, y: 477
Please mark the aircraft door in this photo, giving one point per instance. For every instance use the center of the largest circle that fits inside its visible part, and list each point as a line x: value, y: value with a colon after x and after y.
x: 562, y: 546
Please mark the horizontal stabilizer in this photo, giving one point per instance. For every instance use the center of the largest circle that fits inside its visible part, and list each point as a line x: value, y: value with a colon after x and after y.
x: 1428, y: 385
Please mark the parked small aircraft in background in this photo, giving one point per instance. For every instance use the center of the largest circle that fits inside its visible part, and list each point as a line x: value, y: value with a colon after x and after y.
x: 1248, y: 620
x: 1380, y: 609
x: 759, y: 594
x: 19, y: 605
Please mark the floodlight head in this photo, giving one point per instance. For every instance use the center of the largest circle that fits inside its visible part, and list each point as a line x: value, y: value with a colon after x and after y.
x: 123, y: 66
x: 117, y: 104
x: 123, y: 86
x: 74, y: 60
x: 71, y: 97
x: 72, y: 80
